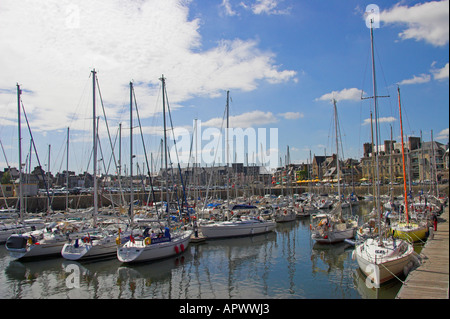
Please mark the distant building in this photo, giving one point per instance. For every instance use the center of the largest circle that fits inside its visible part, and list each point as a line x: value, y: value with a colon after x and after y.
x: 421, y: 164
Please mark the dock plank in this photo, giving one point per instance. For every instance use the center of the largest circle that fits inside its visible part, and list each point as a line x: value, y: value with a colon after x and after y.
x: 431, y: 279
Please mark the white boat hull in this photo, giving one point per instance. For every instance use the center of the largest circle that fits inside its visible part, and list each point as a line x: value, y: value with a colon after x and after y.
x: 7, y: 230
x: 106, y: 247
x: 285, y: 217
x: 237, y: 228
x: 38, y: 250
x: 138, y: 251
x: 331, y: 237
x: 381, y: 267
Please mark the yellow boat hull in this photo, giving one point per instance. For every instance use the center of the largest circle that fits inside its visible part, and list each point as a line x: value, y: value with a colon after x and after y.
x: 411, y: 232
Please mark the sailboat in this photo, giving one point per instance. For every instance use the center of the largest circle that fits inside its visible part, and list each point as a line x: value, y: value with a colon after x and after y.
x: 381, y: 258
x: 246, y: 220
x: 332, y: 227
x: 34, y: 243
x: 9, y: 223
x: 408, y: 230
x: 285, y: 212
x: 96, y: 242
x: 162, y: 242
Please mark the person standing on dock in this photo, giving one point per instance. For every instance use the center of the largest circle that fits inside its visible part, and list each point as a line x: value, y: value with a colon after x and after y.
x: 195, y: 227
x: 434, y: 218
x: 387, y: 218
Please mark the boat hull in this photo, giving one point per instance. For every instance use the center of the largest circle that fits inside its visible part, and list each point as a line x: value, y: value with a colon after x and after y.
x: 381, y: 268
x: 104, y: 248
x: 7, y: 230
x: 138, y: 251
x: 18, y: 247
x: 333, y: 236
x: 284, y: 218
x: 236, y: 229
x: 412, y: 232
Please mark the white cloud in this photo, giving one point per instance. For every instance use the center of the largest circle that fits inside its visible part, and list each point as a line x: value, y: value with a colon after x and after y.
x: 423, y: 78
x: 268, y: 7
x: 292, y: 115
x: 389, y: 119
x: 228, y: 9
x: 428, y: 21
x: 57, y: 43
x: 440, y: 74
x: 443, y: 135
x: 352, y: 94
x: 245, y: 120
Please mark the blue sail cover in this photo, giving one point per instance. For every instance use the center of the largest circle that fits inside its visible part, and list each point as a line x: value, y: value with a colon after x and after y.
x: 213, y: 205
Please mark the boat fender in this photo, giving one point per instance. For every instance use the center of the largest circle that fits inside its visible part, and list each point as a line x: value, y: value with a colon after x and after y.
x: 176, y: 249
x: 310, y: 227
x: 30, y: 241
x: 182, y: 247
x: 148, y: 241
x: 118, y: 240
x: 353, y: 255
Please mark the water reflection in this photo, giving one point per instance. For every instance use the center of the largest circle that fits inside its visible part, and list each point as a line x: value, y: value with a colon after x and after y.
x: 386, y: 291
x: 281, y: 264
x: 334, y: 263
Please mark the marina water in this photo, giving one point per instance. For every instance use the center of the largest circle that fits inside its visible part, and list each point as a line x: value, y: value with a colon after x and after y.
x: 284, y: 264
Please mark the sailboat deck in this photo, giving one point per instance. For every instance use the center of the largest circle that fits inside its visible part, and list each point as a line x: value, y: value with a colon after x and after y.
x: 431, y: 279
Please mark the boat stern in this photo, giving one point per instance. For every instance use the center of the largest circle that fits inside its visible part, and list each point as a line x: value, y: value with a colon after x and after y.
x: 72, y: 251
x: 17, y: 245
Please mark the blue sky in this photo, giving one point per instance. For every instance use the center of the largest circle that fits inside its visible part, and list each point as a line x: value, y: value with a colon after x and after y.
x: 281, y: 60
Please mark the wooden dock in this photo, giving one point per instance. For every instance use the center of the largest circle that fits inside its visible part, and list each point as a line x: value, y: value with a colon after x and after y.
x: 431, y: 279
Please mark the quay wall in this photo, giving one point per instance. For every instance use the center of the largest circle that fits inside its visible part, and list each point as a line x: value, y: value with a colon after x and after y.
x: 39, y: 203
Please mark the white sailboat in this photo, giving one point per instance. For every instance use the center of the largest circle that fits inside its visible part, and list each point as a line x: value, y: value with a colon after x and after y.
x: 147, y: 247
x: 247, y: 223
x: 33, y: 243
x: 246, y: 220
x: 381, y: 259
x: 8, y: 228
x: 285, y: 214
x: 98, y: 242
x: 332, y: 227
x: 39, y: 243
x: 286, y: 211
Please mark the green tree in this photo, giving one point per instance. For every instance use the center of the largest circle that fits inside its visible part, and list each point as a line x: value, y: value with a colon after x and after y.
x: 6, y: 178
x: 302, y: 175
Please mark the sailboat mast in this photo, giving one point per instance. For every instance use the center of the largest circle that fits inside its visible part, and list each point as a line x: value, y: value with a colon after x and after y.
x: 375, y: 103
x: 337, y: 149
x: 163, y: 80
x: 67, y: 172
x: 94, y: 142
x: 131, y: 155
x: 20, y: 154
x: 403, y: 158
x: 227, y: 146
x: 434, y: 166
x: 391, y: 189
